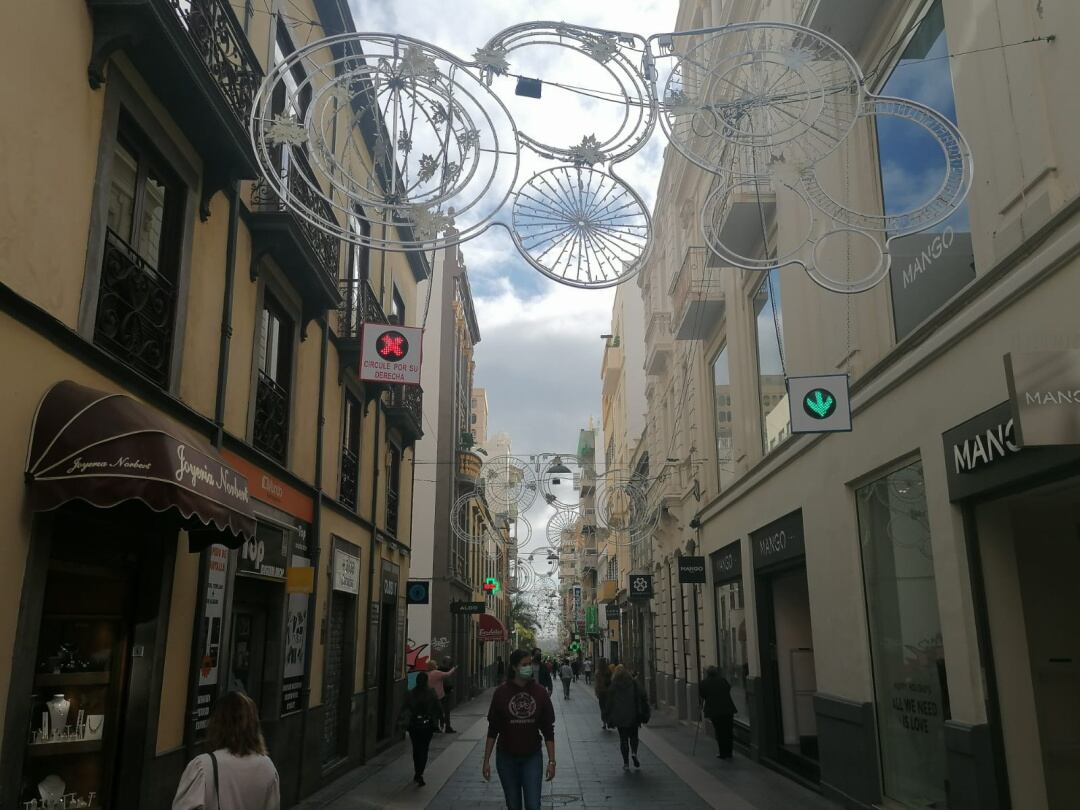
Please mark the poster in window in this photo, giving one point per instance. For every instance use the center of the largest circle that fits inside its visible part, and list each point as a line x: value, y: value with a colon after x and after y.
x: 210, y: 635
x: 371, y: 660
x: 296, y: 630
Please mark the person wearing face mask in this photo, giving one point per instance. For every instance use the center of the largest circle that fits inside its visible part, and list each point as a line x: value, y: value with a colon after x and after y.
x: 521, y: 722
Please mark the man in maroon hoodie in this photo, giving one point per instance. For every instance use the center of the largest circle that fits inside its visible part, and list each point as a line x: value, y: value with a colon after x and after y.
x: 520, y: 716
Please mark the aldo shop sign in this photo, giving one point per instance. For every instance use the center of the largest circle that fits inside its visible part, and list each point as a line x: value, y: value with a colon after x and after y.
x: 779, y: 541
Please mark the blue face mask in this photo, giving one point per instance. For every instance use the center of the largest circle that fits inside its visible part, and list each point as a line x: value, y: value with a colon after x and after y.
x: 525, y: 672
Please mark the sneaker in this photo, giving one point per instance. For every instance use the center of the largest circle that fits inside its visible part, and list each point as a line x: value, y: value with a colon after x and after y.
x: 626, y: 766
x: 637, y: 763
x: 450, y: 730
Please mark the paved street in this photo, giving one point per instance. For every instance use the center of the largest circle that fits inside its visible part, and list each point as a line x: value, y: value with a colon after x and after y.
x: 590, y: 770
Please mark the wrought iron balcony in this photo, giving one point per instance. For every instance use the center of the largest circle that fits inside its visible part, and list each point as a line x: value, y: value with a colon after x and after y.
x: 307, y: 254
x: 135, y: 311
x: 271, y: 430
x: 405, y: 410
x: 359, y: 304
x: 196, y: 58
x: 350, y: 477
x: 658, y: 343
x: 393, y: 499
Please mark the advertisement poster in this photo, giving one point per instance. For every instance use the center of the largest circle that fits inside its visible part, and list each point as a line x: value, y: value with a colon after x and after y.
x: 296, y: 628
x: 210, y: 635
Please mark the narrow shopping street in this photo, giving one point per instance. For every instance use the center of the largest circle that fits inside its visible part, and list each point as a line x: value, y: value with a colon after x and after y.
x: 590, y: 772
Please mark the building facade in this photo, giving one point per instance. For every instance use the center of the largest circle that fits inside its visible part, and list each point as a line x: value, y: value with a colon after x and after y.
x: 211, y: 499
x: 865, y: 590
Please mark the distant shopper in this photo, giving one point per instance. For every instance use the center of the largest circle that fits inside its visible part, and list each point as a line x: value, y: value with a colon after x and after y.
x: 719, y: 708
x: 566, y: 674
x: 587, y: 669
x: 438, y: 678
x: 575, y: 665
x: 627, y: 709
x: 603, y: 684
x: 500, y: 670
x: 544, y: 671
x: 236, y: 774
x: 421, y: 714
x: 520, y: 716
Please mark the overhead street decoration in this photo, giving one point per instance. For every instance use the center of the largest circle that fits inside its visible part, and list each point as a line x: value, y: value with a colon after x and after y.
x: 391, y: 354
x: 819, y: 404
x: 759, y: 105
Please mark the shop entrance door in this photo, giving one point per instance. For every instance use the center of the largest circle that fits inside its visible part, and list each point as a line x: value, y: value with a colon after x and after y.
x: 387, y: 634
x: 789, y: 729
x: 247, y: 641
x: 1033, y: 603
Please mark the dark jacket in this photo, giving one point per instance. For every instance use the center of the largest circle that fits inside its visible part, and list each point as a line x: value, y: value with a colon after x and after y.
x: 716, y: 694
x: 520, y: 717
x: 544, y: 675
x: 421, y: 709
x: 625, y: 705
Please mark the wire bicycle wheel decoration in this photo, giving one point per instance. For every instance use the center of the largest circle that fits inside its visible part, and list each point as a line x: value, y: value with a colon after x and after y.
x: 390, y: 142
x: 522, y: 576
x: 563, y: 527
x: 509, y: 482
x: 468, y: 523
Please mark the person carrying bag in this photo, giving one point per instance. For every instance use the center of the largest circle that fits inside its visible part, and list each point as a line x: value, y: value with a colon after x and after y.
x: 421, y: 714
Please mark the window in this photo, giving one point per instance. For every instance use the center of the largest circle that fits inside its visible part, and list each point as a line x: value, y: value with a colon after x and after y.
x: 144, y: 226
x: 271, y: 429
x: 732, y: 659
x: 350, y: 451
x: 393, y: 489
x: 906, y: 645
x: 397, y: 308
x: 724, y: 426
x: 772, y: 387
x: 928, y: 268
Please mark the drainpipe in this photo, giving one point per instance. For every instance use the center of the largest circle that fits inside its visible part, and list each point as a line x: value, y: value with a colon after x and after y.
x: 226, y: 314
x: 316, y: 547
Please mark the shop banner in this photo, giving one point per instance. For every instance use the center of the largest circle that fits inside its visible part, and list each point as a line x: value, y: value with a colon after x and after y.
x: 612, y: 613
x: 691, y: 570
x: 346, y: 571
x: 779, y: 541
x: 267, y: 553
x: 1045, y: 391
x: 296, y: 629
x: 210, y: 633
x: 727, y: 563
x: 641, y: 586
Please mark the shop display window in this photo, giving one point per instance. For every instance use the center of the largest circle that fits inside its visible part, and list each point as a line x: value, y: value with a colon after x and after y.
x: 731, y: 644
x: 905, y: 636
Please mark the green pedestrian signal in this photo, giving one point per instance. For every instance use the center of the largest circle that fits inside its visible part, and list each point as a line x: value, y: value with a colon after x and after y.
x: 819, y: 404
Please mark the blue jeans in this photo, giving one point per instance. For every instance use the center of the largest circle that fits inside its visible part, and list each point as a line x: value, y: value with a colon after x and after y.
x: 520, y: 776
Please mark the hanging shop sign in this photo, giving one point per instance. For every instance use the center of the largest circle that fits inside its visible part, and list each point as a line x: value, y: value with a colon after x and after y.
x: 391, y: 354
x: 779, y: 541
x: 391, y: 574
x: 296, y: 630
x: 819, y: 404
x: 346, y: 571
x: 468, y: 607
x: 640, y: 586
x: 1044, y: 388
x: 691, y: 570
x: 928, y: 269
x: 612, y: 613
x: 592, y: 620
x: 217, y: 573
x: 727, y: 563
x: 418, y: 592
x: 267, y: 553
x: 982, y: 455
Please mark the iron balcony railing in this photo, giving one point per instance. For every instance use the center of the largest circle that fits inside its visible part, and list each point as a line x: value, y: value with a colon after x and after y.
x: 264, y: 198
x: 271, y: 430
x: 134, y: 311
x: 218, y: 38
x: 350, y: 477
x: 359, y: 304
x: 409, y: 398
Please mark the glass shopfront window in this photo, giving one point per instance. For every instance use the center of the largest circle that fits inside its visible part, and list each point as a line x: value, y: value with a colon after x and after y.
x: 905, y: 636
x: 772, y: 387
x: 723, y: 404
x: 730, y: 604
x: 928, y: 268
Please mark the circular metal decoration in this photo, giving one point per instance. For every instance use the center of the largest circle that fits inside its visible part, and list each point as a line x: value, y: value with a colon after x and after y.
x: 581, y: 227
x: 509, y: 482
x: 553, y: 471
x: 522, y: 576
x: 625, y: 88
x: 752, y: 93
x: 384, y: 141
x: 466, y: 529
x: 562, y: 527
x: 521, y: 531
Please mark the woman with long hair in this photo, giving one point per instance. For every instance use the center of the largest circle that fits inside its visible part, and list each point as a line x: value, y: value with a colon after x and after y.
x: 237, y: 772
x: 603, y: 684
x: 421, y: 714
x: 627, y: 709
x: 521, y: 720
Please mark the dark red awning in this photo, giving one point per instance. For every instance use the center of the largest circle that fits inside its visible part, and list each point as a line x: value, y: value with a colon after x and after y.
x: 108, y: 448
x: 491, y: 629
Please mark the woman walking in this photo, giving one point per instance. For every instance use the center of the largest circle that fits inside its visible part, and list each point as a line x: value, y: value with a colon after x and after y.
x: 587, y: 669
x: 719, y: 708
x: 520, y: 716
x: 603, y: 684
x: 566, y: 674
x: 438, y: 679
x: 627, y: 709
x: 237, y: 773
x: 421, y: 714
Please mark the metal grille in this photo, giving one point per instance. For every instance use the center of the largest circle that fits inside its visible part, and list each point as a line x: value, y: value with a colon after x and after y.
x: 350, y: 475
x: 335, y: 660
x: 359, y: 305
x: 271, y: 431
x: 135, y: 311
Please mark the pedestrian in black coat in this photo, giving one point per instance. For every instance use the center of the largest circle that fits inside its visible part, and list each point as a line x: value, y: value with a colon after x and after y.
x: 626, y: 709
x: 719, y: 708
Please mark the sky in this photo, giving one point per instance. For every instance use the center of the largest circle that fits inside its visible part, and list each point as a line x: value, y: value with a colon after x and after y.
x: 540, y: 350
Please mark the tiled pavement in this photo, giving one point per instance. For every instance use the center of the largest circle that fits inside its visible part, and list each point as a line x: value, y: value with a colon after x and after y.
x: 589, y: 775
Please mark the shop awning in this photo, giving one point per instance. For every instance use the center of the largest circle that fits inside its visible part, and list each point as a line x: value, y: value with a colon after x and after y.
x: 108, y: 448
x: 491, y: 629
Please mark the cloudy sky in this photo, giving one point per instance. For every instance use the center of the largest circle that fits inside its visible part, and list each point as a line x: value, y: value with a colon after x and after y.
x: 540, y: 350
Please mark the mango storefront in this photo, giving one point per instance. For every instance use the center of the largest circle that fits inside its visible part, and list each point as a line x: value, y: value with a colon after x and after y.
x: 114, y: 487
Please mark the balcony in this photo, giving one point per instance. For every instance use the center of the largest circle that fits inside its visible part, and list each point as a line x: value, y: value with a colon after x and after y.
x: 306, y: 254
x: 405, y: 411
x: 609, y: 589
x: 697, y: 297
x: 350, y: 478
x: 612, y: 367
x: 197, y: 60
x: 658, y: 343
x: 135, y: 311
x: 751, y: 209
x: 469, y: 466
x: 271, y: 429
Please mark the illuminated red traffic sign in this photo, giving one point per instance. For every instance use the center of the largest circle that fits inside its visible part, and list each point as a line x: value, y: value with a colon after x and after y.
x: 392, y: 345
x: 391, y: 353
